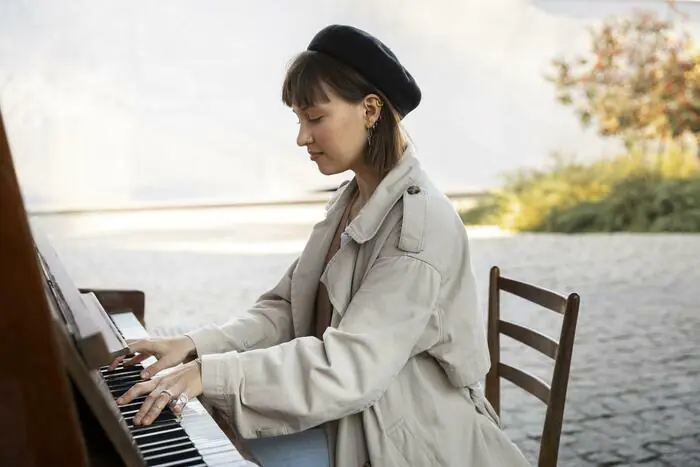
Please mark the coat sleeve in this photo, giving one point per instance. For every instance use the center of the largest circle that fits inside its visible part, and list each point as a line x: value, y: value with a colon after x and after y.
x: 305, y: 382
x: 267, y: 323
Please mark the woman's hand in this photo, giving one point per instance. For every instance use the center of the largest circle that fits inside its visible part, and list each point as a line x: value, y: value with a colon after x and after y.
x: 169, y: 351
x: 177, y: 387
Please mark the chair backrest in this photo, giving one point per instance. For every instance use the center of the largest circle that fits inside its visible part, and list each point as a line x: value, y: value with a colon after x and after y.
x: 553, y: 394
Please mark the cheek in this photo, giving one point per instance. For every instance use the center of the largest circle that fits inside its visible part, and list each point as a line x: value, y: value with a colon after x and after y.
x: 349, y: 136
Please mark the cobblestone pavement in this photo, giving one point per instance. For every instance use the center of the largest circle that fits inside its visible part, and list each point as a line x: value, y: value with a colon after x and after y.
x: 634, y: 394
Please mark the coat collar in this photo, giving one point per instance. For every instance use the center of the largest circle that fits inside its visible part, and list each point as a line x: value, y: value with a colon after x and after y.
x: 392, y: 187
x: 365, y: 225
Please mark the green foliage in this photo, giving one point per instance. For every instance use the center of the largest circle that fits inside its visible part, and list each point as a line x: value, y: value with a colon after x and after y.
x: 642, y: 203
x: 640, y: 82
x: 633, y: 192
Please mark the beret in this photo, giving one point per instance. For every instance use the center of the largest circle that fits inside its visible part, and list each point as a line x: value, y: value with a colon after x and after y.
x: 373, y: 60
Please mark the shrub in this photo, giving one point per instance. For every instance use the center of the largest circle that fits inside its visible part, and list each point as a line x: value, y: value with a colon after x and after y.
x: 571, y: 196
x: 639, y: 204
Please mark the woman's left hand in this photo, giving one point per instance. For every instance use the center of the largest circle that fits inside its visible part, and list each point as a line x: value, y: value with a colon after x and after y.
x: 178, y: 387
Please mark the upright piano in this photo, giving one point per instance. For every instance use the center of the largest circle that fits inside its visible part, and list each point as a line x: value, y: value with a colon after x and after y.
x: 57, y: 393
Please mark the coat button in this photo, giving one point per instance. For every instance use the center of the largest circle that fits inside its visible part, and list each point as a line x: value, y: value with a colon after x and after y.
x: 413, y: 189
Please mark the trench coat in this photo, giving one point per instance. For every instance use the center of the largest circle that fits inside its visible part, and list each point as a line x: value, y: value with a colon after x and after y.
x: 395, y: 379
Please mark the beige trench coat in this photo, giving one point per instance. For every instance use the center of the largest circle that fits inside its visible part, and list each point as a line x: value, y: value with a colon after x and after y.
x: 395, y: 377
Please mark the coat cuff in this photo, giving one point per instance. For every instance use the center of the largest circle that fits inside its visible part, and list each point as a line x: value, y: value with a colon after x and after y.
x: 206, y: 339
x: 221, y: 376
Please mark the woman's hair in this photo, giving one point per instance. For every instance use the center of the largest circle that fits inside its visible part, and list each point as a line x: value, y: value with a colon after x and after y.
x: 302, y: 88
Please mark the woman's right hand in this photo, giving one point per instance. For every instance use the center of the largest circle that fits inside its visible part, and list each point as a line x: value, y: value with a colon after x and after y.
x: 169, y: 351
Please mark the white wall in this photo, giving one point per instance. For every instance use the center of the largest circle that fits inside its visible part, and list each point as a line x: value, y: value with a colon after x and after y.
x: 114, y: 102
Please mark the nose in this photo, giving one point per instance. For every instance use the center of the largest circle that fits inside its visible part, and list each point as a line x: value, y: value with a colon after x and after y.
x: 304, y: 137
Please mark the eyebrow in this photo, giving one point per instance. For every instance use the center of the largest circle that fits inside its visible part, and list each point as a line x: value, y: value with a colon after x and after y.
x: 304, y: 109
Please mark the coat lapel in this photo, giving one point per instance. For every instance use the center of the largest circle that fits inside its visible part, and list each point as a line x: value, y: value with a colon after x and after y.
x: 305, y: 279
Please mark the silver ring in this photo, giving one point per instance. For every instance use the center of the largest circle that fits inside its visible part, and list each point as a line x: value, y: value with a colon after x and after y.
x: 166, y: 391
x: 181, y: 400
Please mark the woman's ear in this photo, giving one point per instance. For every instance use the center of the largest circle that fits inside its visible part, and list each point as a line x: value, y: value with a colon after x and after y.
x: 373, y: 109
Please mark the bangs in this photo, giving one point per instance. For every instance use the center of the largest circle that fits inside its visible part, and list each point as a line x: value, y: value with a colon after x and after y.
x: 303, y: 83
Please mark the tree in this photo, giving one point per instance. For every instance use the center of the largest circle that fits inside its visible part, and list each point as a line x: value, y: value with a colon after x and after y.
x: 641, y: 81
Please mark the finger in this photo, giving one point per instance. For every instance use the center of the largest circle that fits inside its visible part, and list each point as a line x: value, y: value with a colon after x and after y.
x: 142, y: 346
x: 146, y: 415
x: 137, y: 390
x: 161, y: 364
x: 155, y: 393
x: 116, y: 362
x: 137, y: 359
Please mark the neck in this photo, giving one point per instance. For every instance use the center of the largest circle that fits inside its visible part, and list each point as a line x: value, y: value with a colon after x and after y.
x: 367, y: 182
x: 368, y: 179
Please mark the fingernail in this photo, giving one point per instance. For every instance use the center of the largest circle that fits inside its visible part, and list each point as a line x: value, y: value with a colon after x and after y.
x: 120, y: 400
x: 145, y: 375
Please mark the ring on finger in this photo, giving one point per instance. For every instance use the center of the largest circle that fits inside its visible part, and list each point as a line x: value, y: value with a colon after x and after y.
x: 181, y: 401
x: 169, y: 393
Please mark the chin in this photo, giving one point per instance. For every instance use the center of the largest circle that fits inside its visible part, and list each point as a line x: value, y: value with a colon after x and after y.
x: 326, y: 170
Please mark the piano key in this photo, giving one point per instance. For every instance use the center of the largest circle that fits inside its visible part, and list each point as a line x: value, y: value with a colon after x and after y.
x: 165, y: 442
x: 195, y: 424
x: 141, y: 431
x: 160, y: 420
x: 105, y: 371
x: 183, y: 463
x: 126, y: 383
x: 165, y: 448
x: 123, y: 376
x: 134, y: 403
x: 186, y: 452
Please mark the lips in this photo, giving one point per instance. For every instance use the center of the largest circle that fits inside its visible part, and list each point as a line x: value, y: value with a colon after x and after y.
x: 314, y: 155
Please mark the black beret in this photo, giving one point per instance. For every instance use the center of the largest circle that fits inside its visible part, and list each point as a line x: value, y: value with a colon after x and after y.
x: 373, y: 60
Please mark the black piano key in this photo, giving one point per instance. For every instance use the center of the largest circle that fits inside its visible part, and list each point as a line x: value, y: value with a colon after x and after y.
x: 175, y: 445
x: 164, y: 442
x: 192, y: 463
x: 140, y: 429
x: 175, y: 453
x: 161, y: 419
x: 121, y: 376
x: 186, y: 455
x: 120, y: 369
x: 132, y: 409
x: 117, y: 393
x: 159, y: 435
x: 134, y: 403
x: 183, y: 463
x: 126, y: 383
x: 123, y: 383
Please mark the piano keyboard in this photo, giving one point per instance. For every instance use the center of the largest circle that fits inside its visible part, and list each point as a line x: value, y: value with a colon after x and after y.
x: 191, y: 439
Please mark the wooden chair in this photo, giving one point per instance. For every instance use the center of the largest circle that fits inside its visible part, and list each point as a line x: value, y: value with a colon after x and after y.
x: 553, y: 394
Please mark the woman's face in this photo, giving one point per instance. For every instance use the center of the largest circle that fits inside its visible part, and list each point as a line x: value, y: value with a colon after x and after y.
x: 334, y: 133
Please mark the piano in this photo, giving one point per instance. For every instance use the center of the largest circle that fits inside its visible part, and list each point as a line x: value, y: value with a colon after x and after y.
x: 57, y: 392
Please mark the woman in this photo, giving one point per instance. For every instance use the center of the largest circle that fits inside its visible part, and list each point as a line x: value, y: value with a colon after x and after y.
x: 370, y: 349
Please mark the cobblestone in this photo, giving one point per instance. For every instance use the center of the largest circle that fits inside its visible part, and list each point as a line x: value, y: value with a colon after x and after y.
x: 634, y: 393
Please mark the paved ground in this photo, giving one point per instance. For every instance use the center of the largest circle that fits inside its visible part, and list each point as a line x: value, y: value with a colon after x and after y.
x: 634, y: 396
